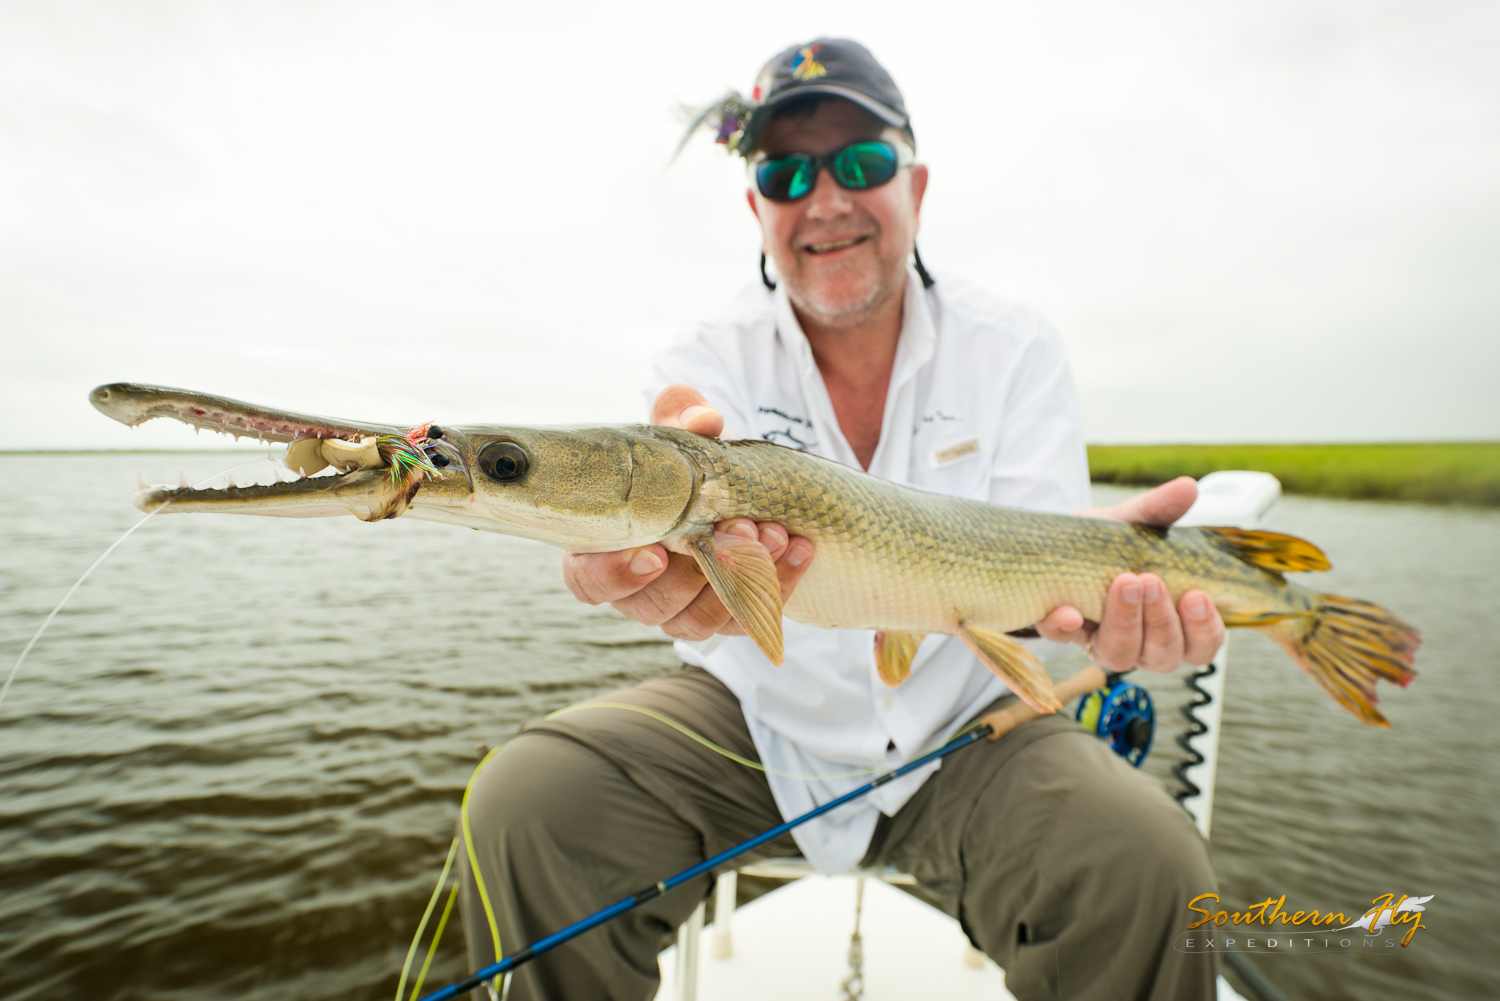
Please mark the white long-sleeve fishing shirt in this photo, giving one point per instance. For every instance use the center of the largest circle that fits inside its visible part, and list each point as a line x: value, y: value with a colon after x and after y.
x: 980, y: 405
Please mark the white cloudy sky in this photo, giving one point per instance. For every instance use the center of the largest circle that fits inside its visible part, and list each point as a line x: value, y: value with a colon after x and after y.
x: 1251, y: 220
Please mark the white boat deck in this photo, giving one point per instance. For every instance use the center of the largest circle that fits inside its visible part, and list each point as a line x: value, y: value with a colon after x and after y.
x: 793, y: 943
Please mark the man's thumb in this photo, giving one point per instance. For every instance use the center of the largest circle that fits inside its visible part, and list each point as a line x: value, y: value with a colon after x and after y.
x: 682, y: 406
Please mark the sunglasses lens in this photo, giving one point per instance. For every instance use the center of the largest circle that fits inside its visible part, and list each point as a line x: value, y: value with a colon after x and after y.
x: 864, y: 165
x: 784, y: 179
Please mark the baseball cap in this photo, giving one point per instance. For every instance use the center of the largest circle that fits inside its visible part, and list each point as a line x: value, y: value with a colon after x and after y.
x: 837, y: 67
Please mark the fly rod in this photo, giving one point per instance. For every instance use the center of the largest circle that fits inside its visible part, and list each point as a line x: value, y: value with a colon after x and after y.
x: 635, y: 900
x: 994, y: 726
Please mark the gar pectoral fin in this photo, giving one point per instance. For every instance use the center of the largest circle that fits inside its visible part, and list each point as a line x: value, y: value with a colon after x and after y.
x: 1015, y: 665
x: 743, y: 575
x: 893, y: 655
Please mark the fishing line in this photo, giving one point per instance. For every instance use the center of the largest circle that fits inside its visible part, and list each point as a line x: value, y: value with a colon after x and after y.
x: 463, y: 818
x: 736, y: 758
x: 484, y: 897
x: 705, y: 867
x: 436, y: 935
x: 690, y: 734
x: 5, y: 690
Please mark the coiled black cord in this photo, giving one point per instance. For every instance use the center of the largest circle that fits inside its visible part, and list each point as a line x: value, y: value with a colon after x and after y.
x: 1195, y: 728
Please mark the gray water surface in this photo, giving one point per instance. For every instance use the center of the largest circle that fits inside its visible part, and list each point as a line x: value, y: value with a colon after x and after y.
x: 233, y: 766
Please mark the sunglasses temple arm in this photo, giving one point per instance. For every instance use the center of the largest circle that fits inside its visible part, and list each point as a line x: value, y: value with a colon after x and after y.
x: 927, y: 280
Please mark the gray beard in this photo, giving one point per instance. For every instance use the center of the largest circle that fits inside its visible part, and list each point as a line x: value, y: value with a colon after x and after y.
x: 849, y: 314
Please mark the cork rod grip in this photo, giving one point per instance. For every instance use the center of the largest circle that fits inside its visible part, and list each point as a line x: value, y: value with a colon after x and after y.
x: 1005, y: 720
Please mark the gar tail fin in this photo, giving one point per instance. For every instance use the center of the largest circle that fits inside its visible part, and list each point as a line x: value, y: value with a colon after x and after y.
x: 1347, y: 645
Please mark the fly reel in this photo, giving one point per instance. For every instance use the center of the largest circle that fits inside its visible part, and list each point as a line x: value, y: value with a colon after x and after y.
x: 1121, y: 713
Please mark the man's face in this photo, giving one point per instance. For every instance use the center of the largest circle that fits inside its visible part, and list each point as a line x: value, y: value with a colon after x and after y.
x: 842, y: 254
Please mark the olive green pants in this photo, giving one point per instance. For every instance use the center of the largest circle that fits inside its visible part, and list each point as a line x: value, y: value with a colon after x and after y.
x: 1067, y: 866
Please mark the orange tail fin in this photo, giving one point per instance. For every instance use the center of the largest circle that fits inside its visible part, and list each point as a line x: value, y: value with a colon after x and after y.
x: 1347, y: 645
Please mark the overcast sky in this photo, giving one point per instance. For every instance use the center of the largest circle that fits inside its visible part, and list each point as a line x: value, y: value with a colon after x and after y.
x: 1251, y: 221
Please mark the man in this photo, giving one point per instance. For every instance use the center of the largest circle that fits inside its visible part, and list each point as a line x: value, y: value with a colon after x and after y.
x: 1066, y: 866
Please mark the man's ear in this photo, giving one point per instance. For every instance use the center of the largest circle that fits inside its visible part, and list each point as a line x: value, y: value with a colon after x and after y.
x: 918, y: 188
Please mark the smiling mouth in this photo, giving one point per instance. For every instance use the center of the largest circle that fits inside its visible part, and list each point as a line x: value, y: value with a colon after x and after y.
x: 832, y: 245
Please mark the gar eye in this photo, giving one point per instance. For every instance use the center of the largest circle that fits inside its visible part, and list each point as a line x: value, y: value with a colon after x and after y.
x: 504, y: 461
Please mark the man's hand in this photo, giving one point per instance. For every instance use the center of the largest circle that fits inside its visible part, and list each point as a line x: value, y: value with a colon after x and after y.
x: 1140, y: 627
x: 666, y: 589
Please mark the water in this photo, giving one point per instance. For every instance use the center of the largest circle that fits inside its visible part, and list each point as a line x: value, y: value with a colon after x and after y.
x: 233, y: 766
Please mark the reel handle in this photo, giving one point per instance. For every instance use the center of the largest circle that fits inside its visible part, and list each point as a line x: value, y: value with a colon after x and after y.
x: 1005, y: 720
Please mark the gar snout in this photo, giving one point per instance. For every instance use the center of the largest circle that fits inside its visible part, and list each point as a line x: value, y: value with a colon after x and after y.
x: 372, y: 471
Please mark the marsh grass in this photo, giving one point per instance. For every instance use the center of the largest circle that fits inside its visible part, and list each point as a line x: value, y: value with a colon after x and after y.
x: 1437, y: 472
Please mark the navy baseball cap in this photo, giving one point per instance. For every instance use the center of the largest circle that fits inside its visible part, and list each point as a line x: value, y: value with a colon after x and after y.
x: 837, y: 67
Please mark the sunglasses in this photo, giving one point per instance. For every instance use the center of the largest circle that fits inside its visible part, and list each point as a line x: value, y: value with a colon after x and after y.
x: 857, y: 167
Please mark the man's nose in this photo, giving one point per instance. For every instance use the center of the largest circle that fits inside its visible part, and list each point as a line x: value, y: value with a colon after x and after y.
x: 828, y: 198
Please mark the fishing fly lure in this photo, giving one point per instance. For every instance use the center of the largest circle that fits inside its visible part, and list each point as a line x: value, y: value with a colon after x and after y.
x: 409, y: 456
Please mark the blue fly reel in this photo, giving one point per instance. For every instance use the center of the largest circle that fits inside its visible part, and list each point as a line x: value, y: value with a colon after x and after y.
x: 1122, y: 714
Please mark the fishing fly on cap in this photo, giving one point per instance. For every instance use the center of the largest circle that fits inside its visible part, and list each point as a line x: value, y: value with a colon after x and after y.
x: 832, y: 67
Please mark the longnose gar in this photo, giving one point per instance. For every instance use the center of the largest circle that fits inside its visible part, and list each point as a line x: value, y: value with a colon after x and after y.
x: 890, y: 558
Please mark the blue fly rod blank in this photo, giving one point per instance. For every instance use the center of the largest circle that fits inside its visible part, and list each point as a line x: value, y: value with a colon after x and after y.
x: 635, y: 900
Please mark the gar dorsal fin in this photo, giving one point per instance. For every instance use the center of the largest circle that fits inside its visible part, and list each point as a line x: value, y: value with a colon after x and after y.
x: 1269, y: 550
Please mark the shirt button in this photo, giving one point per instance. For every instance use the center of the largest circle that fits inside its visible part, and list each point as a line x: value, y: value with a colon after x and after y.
x: 886, y: 703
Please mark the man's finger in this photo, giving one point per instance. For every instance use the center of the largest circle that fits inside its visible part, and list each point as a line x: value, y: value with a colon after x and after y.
x: 1117, y: 644
x: 599, y: 577
x: 701, y: 618
x: 1160, y: 506
x: 1064, y: 624
x: 775, y: 538
x: 793, y: 562
x: 682, y: 406
x: 1161, y: 637
x: 1202, y: 628
x: 665, y: 597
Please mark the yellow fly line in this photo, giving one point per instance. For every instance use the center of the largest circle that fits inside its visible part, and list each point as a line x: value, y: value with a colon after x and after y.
x: 468, y: 838
x: 436, y: 935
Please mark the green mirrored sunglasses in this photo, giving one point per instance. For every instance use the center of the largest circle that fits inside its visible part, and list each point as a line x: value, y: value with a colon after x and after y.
x: 857, y: 166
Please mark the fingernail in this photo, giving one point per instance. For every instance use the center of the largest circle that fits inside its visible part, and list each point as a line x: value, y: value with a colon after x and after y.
x: 645, y: 562
x: 797, y: 555
x: 1197, y: 607
x: 744, y: 529
x: 686, y: 417
x: 1131, y: 593
x: 1153, y: 590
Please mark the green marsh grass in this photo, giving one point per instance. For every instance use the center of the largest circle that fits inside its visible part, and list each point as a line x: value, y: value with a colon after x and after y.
x: 1438, y: 472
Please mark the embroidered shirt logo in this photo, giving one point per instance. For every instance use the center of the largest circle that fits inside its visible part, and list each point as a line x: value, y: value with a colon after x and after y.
x: 797, y: 434
x: 805, y: 67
